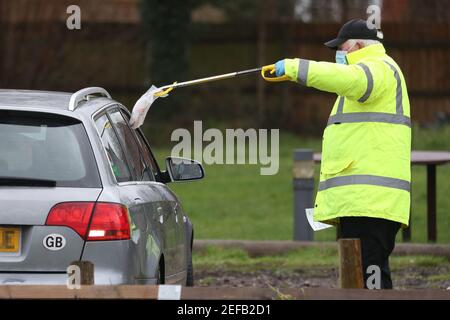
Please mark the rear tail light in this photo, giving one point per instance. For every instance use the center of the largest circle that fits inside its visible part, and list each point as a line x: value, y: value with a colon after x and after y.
x: 75, y: 215
x: 92, y: 221
x: 109, y: 222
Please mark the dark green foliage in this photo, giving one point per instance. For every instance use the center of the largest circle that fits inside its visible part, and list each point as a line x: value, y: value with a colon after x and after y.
x: 166, y: 27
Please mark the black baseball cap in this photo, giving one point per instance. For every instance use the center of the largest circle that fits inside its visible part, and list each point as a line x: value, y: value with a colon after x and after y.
x: 354, y: 29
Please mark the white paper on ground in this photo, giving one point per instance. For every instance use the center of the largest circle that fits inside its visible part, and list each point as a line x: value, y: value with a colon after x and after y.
x: 315, y: 225
x: 142, y: 106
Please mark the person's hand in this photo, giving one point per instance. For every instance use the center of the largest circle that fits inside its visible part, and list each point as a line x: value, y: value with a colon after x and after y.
x: 279, y: 68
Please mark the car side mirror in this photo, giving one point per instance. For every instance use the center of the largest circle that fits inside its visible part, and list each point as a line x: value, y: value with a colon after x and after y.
x: 180, y: 169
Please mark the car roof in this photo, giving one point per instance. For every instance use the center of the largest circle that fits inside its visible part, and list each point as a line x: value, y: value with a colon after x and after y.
x: 49, y: 101
x: 35, y: 99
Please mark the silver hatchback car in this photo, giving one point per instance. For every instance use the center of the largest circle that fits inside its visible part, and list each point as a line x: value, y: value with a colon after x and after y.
x: 78, y: 184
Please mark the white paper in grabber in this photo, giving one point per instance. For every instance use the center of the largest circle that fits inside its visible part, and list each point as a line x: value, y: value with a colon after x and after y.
x: 315, y: 225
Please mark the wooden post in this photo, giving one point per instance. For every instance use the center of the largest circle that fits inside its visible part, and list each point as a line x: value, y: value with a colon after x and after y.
x: 431, y: 202
x: 87, y: 272
x: 350, y: 264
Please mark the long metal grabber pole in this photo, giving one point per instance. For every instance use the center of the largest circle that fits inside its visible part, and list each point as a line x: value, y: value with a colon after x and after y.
x: 210, y: 79
x: 271, y: 68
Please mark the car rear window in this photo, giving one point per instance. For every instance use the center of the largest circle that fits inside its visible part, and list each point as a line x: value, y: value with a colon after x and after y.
x: 36, y: 145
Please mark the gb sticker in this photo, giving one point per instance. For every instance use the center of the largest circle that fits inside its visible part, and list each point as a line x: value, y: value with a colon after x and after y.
x: 54, y: 242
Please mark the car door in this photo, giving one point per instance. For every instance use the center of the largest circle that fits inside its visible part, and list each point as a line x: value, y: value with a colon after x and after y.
x: 123, y: 161
x: 172, y: 204
x: 146, y: 197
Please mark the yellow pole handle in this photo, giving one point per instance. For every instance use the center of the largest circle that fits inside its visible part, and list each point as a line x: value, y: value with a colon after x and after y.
x: 271, y: 70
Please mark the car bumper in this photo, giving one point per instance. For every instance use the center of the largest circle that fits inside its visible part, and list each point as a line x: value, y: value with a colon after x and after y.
x: 115, y: 263
x: 61, y: 279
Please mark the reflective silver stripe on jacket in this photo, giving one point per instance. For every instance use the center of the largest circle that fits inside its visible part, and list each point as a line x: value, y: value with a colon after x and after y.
x: 353, y: 117
x: 365, y: 179
x: 303, y: 67
x: 369, y: 82
x: 399, y: 94
x: 340, y: 107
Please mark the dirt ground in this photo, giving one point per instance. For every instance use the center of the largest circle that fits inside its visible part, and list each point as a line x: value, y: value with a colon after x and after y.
x: 412, y: 278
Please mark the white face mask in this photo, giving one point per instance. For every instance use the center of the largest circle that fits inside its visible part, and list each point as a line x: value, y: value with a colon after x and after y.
x: 341, y: 55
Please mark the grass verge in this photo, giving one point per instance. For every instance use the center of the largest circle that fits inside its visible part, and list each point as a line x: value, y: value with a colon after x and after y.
x: 239, y: 260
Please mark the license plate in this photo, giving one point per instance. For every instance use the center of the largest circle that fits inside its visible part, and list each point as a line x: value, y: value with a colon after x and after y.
x: 9, y: 239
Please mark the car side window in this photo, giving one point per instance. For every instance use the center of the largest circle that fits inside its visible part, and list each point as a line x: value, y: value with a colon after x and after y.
x: 130, y: 146
x: 148, y: 157
x: 111, y: 143
x: 146, y: 153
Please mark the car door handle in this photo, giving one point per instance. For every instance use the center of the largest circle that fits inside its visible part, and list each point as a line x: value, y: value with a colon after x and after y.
x: 138, y: 201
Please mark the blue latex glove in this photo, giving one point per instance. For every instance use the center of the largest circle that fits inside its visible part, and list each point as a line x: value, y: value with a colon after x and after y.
x: 279, y: 68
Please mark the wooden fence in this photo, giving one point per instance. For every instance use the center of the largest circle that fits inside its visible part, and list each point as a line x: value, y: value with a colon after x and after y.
x: 45, y: 55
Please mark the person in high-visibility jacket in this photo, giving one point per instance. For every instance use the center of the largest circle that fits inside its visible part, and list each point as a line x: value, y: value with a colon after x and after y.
x: 365, y: 173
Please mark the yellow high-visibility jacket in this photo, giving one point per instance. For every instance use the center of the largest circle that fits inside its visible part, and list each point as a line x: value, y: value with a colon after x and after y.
x: 366, y: 148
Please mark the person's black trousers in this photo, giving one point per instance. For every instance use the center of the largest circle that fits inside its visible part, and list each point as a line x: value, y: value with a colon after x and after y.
x: 377, y: 243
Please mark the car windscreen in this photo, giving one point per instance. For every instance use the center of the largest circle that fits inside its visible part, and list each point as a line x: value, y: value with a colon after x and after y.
x: 37, y: 146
